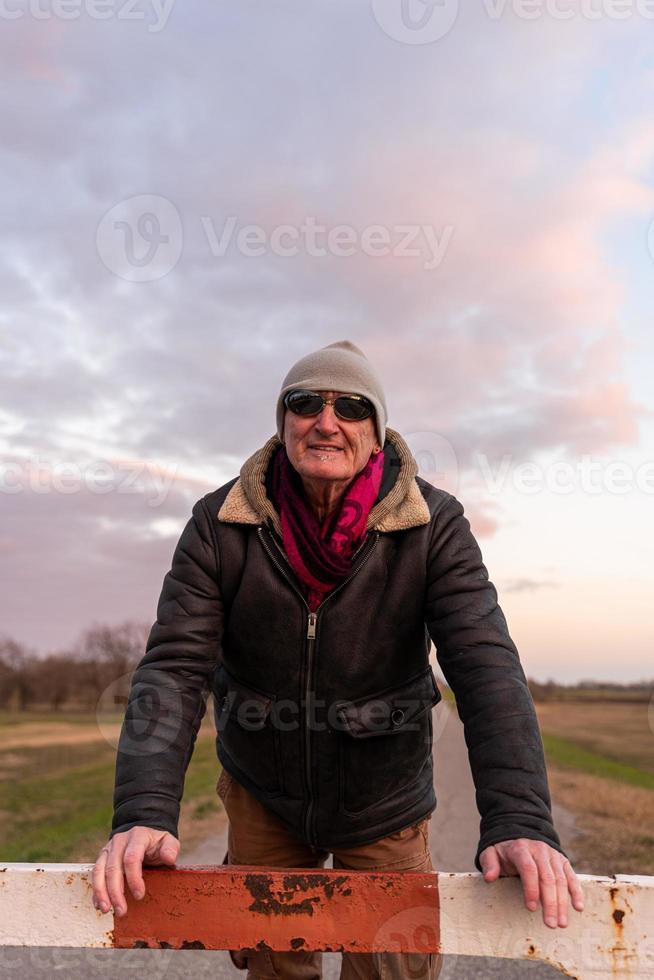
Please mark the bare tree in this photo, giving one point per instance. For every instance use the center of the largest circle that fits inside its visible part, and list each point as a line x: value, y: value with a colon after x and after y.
x: 17, y: 674
x: 56, y: 676
x: 109, y: 654
x: 6, y: 676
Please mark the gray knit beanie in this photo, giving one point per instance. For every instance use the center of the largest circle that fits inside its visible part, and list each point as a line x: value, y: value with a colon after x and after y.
x: 337, y: 367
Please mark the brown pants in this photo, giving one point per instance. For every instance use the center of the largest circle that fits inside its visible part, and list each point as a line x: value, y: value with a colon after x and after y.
x: 256, y: 836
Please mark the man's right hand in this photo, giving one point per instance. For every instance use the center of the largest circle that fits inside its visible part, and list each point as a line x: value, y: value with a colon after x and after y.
x: 125, y: 854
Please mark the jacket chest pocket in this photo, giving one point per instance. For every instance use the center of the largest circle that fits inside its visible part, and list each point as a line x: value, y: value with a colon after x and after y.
x: 246, y: 732
x: 385, y: 743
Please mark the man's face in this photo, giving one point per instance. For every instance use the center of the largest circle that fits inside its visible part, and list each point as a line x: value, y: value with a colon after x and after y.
x: 324, y: 447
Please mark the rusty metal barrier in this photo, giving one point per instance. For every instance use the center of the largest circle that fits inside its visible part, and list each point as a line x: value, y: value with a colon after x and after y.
x: 239, y: 907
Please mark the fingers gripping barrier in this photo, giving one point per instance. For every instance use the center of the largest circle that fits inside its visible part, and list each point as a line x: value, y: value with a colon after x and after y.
x: 353, y: 911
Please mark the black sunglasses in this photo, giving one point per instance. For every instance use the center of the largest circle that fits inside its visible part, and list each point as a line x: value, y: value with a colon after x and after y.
x: 350, y: 408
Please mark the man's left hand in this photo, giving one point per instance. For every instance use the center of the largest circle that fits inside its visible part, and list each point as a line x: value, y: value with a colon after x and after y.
x: 544, y: 872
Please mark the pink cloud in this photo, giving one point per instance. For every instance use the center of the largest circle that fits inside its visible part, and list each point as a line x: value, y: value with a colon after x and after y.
x: 33, y: 49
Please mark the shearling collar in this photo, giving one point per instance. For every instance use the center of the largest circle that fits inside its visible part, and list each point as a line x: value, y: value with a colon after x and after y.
x: 403, y: 506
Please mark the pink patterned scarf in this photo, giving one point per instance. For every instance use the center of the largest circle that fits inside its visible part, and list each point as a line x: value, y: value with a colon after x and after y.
x: 321, y: 555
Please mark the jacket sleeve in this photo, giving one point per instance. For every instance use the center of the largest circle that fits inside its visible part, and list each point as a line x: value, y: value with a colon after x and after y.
x: 169, y: 688
x: 482, y: 666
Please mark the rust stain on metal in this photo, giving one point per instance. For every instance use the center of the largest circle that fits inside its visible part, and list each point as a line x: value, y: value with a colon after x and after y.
x: 305, y: 882
x: 244, y: 907
x: 617, y: 915
x: 265, y: 902
x: 623, y: 958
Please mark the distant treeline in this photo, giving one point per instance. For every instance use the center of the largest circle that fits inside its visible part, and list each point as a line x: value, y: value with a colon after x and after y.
x: 101, y: 662
x: 591, y: 690
x: 586, y: 690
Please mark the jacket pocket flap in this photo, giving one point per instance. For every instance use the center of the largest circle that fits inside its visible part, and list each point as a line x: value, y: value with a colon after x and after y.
x: 391, y: 710
x: 231, y: 693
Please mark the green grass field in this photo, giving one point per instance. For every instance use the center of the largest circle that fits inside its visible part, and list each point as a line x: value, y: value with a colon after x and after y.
x: 57, y: 799
x: 600, y: 762
x: 563, y: 752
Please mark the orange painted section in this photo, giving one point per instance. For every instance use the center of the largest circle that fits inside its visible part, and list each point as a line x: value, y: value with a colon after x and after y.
x: 283, y: 909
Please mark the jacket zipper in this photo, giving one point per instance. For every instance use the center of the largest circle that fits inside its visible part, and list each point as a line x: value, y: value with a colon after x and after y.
x: 311, y: 646
x: 312, y: 627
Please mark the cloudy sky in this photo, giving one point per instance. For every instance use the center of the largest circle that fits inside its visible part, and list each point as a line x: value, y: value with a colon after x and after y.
x: 195, y: 195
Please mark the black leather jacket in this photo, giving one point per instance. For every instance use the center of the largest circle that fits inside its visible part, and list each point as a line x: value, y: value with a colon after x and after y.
x: 326, y: 717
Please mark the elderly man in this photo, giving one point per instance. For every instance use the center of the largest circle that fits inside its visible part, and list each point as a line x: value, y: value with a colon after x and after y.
x: 304, y: 595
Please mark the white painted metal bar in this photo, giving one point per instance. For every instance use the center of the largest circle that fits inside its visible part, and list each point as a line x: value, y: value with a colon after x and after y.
x: 50, y: 905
